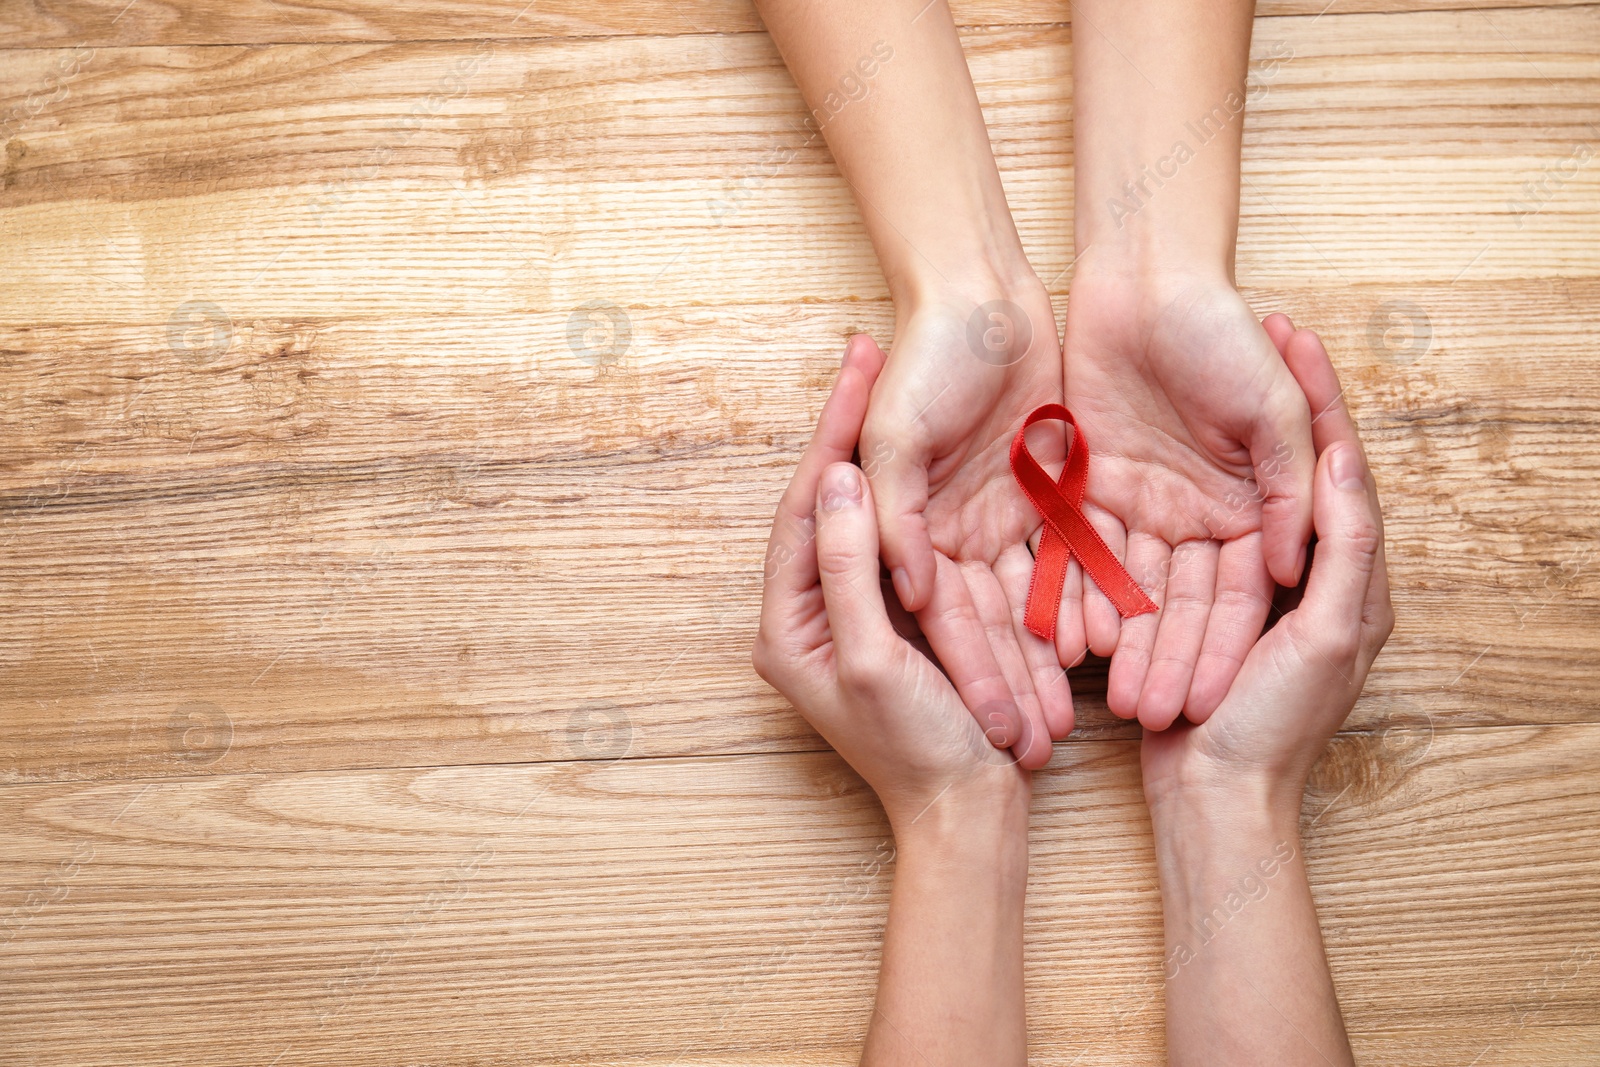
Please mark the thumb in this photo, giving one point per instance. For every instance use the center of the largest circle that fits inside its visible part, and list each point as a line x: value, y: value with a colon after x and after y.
x: 897, y: 467
x: 895, y: 454
x: 847, y: 560
x: 1284, y: 465
x: 1349, y: 536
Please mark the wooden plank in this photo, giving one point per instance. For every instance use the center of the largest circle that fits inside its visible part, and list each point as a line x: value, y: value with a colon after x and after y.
x: 643, y: 171
x: 314, y: 448
x: 320, y: 458
x: 1505, y: 1046
x: 728, y: 910
x: 339, y: 548
x: 38, y: 24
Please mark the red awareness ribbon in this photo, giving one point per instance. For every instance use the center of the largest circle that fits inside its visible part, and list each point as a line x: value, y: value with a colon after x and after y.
x: 1066, y: 532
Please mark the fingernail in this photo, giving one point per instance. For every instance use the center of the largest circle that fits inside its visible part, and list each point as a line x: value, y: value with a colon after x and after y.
x: 844, y: 487
x: 902, y: 586
x: 849, y: 346
x: 1347, y: 468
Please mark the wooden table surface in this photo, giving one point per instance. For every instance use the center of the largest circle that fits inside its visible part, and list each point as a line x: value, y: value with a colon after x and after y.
x: 393, y: 402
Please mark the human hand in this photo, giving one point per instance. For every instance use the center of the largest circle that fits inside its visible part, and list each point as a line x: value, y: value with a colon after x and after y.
x: 961, y: 376
x: 827, y: 644
x: 1201, y: 480
x: 1302, y: 678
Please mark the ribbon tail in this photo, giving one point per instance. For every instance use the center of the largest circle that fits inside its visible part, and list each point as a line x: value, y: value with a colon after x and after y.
x: 1044, y: 592
x: 1109, y: 575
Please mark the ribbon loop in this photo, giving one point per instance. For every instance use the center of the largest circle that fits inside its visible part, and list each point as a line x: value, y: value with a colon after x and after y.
x: 1067, y: 532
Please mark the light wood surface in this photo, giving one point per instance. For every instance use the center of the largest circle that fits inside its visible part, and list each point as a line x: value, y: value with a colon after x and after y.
x: 42, y: 23
x: 638, y: 910
x: 374, y: 655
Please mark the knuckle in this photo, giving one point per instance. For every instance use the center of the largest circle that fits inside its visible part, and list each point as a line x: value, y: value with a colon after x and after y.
x: 859, y: 675
x: 1300, y: 650
x: 1364, y: 539
x: 1340, y: 643
x: 835, y: 561
x: 774, y: 656
x: 1382, y: 624
x: 763, y: 658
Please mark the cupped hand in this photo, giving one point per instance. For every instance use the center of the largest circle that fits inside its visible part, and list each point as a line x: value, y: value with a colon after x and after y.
x: 961, y: 376
x: 1200, y: 480
x: 1300, y: 681
x: 827, y: 644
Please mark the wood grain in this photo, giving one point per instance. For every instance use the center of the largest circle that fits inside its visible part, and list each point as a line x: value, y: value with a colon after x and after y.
x: 393, y: 399
x: 728, y: 910
x: 348, y: 557
x: 313, y: 438
x: 569, y: 124
x: 102, y: 23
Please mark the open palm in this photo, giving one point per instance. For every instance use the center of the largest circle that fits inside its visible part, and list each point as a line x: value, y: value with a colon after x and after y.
x: 1200, y: 480
x: 1302, y: 678
x: 954, y: 528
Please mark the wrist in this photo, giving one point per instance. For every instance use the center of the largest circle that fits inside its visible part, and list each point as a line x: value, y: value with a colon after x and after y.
x: 971, y: 269
x: 1151, y: 277
x: 1223, y: 803
x: 1208, y: 847
x: 1188, y: 238
x: 969, y: 824
x: 1003, y: 314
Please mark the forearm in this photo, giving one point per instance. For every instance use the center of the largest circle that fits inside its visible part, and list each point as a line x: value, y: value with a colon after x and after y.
x: 1158, y: 111
x: 950, y: 991
x: 887, y: 86
x: 1247, y: 978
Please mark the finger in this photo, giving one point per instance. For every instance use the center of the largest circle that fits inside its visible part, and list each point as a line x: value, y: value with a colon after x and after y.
x: 1282, y: 460
x: 839, y: 425
x: 1014, y: 569
x: 1032, y: 749
x: 958, y: 637
x: 1330, y: 416
x: 1071, y: 642
x: 1278, y: 327
x: 1348, y: 541
x: 1308, y: 361
x: 1238, y: 612
x: 847, y: 563
x: 1378, y: 614
x: 1332, y: 424
x: 863, y: 353
x: 1102, y: 623
x: 1191, y: 587
x: 791, y: 565
x: 904, y: 623
x: 1148, y: 559
x: 895, y: 453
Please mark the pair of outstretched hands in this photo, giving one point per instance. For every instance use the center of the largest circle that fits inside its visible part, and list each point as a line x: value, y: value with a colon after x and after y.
x: 1200, y: 480
x: 1210, y: 493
